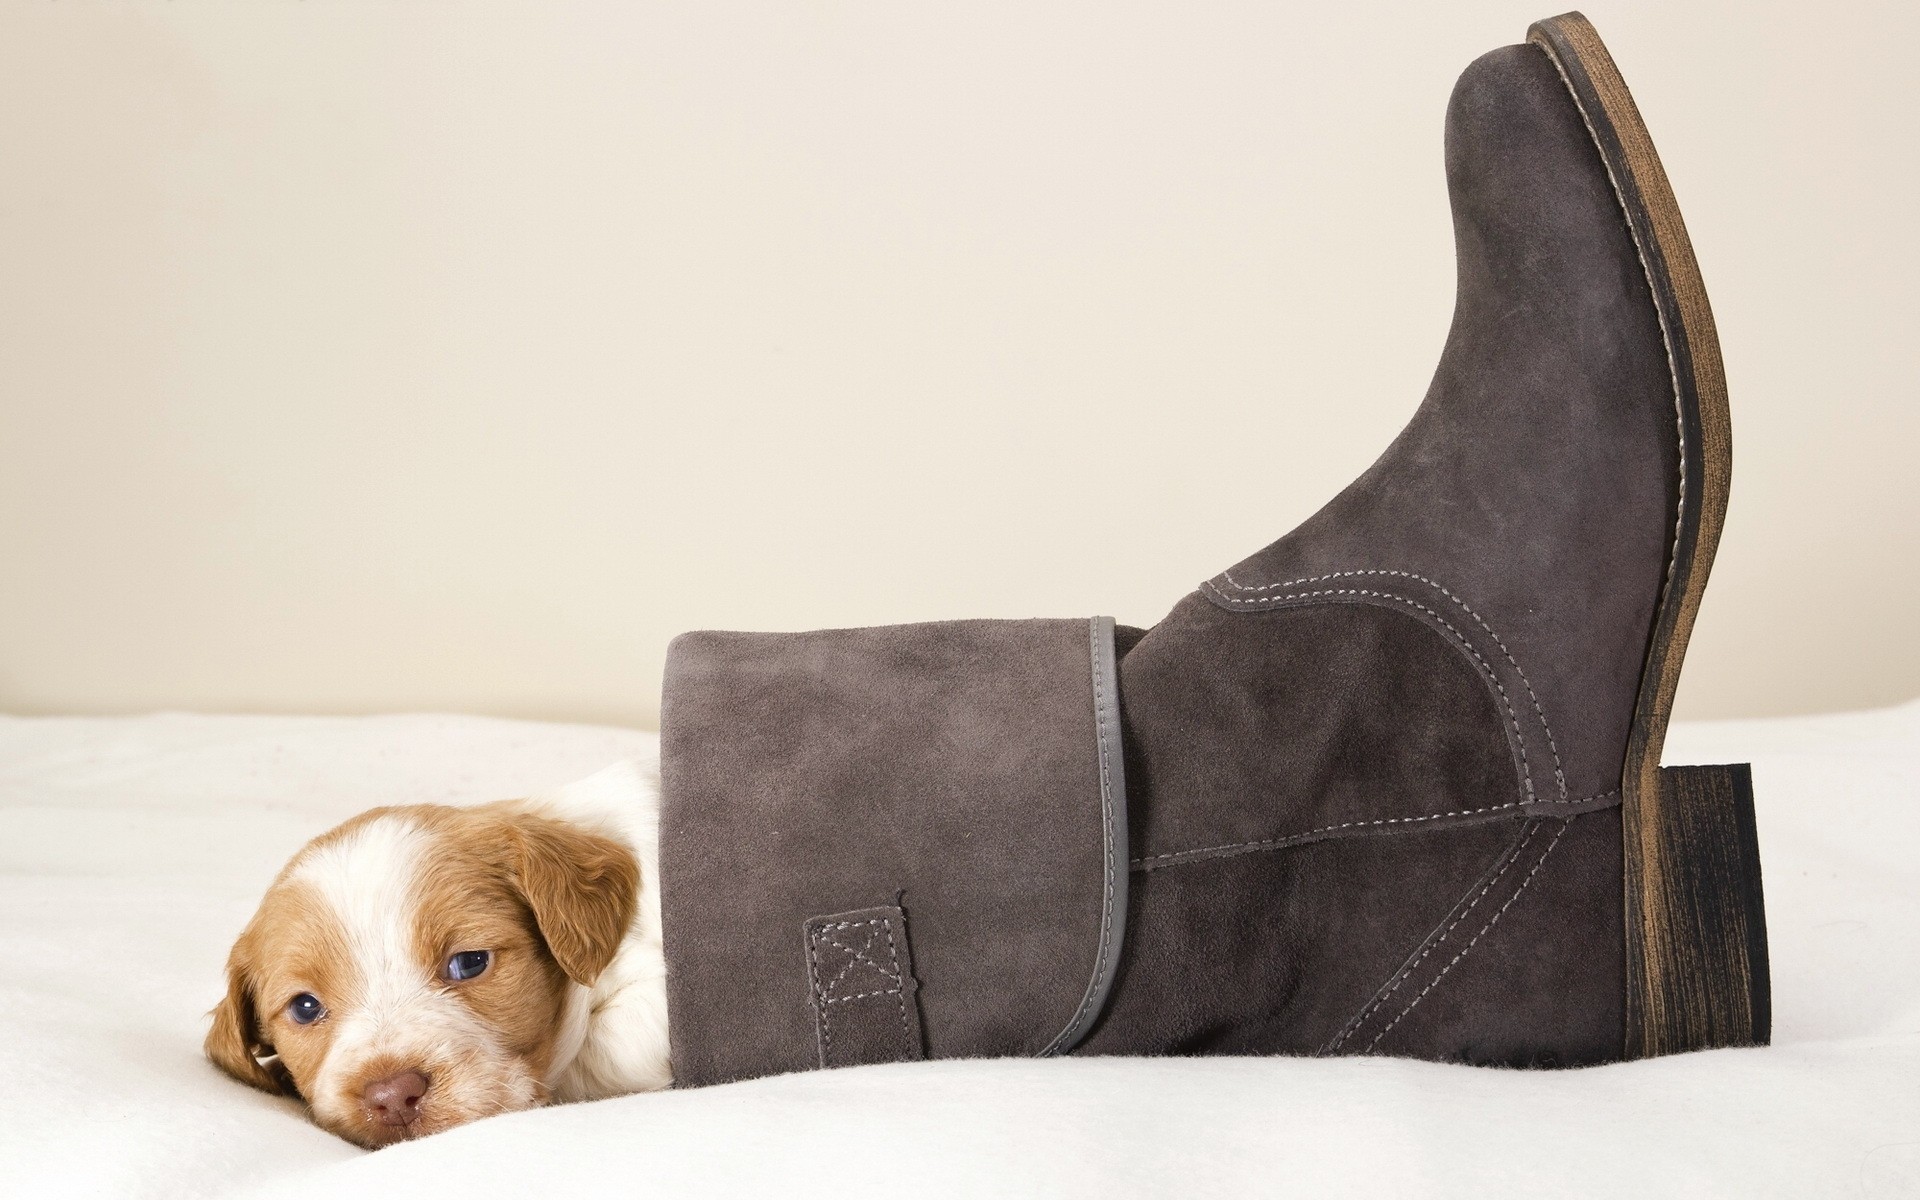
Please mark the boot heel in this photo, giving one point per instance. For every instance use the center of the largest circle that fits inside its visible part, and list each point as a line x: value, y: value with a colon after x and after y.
x: 1696, y: 924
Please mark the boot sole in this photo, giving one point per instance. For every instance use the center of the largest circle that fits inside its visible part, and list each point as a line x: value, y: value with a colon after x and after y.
x: 1695, y: 919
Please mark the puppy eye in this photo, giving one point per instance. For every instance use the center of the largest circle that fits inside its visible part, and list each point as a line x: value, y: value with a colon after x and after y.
x: 467, y: 964
x: 306, y: 1008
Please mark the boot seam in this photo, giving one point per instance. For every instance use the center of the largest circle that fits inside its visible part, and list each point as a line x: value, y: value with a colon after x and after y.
x: 1371, y: 596
x: 1438, y: 934
x: 1113, y: 809
x: 1539, y: 709
x: 1484, y: 930
x: 1373, y: 828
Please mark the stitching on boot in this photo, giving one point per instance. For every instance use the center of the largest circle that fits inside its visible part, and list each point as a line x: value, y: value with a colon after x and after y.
x: 1491, y: 922
x: 1439, y: 934
x: 891, y: 973
x: 899, y: 985
x: 1659, y: 316
x: 820, y: 1000
x: 1559, y: 776
x: 1203, y: 853
x: 1513, y: 718
x: 863, y: 996
x: 856, y: 957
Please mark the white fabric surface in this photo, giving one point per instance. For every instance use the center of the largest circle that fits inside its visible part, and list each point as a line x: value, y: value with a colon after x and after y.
x: 132, y: 850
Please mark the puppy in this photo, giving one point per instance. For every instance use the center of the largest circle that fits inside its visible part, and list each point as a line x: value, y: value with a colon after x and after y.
x: 423, y: 966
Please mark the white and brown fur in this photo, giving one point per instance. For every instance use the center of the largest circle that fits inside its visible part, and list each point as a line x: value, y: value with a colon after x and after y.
x: 560, y: 889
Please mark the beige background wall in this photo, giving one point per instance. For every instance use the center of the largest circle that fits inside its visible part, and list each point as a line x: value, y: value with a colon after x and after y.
x: 454, y: 356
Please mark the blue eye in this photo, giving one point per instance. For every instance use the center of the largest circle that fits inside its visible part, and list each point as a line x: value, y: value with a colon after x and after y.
x: 306, y: 1008
x: 467, y: 964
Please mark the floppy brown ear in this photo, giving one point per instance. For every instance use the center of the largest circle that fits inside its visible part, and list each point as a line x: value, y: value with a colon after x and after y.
x: 234, y: 1042
x: 581, y: 887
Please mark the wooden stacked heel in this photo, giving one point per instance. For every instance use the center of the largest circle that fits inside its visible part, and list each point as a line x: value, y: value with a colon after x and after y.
x: 1697, y: 974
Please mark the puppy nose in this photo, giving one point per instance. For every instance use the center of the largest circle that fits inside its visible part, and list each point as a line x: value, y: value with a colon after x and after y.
x: 396, y: 1099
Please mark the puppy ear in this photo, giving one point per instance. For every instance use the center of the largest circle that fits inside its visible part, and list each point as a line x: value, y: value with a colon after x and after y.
x: 581, y: 887
x: 234, y: 1043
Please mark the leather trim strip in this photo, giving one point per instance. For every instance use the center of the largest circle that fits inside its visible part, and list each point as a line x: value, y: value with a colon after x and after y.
x: 1113, y: 811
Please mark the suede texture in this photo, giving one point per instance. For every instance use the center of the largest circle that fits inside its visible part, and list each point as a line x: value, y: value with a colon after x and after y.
x: 1374, y: 766
x: 1249, y: 731
x: 812, y: 782
x: 1333, y: 855
x: 1542, y: 984
x: 1528, y: 509
x: 1272, y: 953
x: 1495, y: 945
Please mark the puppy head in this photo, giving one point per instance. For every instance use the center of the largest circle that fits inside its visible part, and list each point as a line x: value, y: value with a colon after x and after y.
x: 411, y: 970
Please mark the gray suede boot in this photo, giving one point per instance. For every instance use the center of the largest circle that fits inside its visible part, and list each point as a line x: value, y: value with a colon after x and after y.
x: 1389, y: 786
